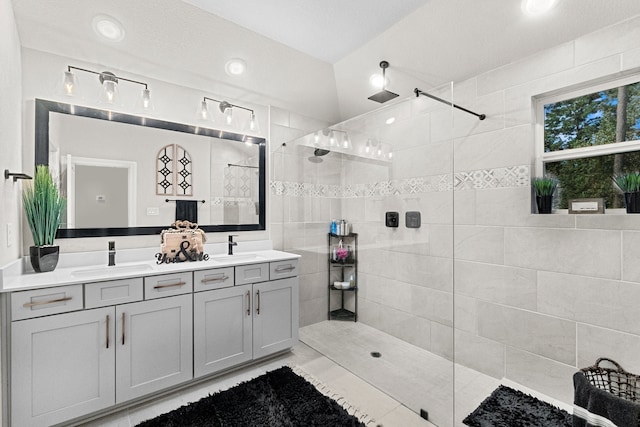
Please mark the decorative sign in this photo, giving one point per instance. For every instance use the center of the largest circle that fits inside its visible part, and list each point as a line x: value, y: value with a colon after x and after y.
x: 184, y: 253
x: 586, y: 206
x: 184, y: 242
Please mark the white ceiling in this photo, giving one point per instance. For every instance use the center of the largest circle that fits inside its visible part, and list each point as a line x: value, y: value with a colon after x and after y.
x: 328, y: 30
x: 427, y: 42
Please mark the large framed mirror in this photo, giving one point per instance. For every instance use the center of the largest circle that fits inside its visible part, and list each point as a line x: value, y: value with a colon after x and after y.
x: 125, y: 175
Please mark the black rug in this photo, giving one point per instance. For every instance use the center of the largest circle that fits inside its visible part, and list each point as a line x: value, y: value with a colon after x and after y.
x: 276, y: 399
x: 506, y: 407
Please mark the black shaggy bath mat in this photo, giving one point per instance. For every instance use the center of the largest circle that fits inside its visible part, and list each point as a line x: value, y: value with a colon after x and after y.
x: 276, y: 399
x: 506, y: 407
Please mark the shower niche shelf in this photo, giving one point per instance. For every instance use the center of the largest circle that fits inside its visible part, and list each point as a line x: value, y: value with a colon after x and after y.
x: 342, y: 266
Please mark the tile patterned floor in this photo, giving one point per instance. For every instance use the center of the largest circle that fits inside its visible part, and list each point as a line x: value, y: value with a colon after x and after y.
x: 380, y: 408
x: 390, y: 390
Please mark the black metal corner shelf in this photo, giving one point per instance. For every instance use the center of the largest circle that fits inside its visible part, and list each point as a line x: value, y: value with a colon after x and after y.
x: 336, y: 272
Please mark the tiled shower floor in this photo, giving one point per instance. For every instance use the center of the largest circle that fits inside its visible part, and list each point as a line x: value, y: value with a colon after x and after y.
x: 413, y: 376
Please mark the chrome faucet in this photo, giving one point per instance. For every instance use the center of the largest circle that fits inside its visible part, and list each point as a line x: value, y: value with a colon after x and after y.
x: 232, y: 243
x: 112, y: 253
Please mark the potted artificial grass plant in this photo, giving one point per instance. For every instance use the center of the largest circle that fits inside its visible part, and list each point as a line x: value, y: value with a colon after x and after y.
x: 544, y: 188
x: 629, y: 184
x: 43, y: 208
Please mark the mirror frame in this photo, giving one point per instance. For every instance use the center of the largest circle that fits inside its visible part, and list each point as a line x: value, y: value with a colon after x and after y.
x: 44, y: 108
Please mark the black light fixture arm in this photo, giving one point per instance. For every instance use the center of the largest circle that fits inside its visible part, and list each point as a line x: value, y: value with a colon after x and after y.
x: 225, y: 103
x: 418, y: 92
x: 108, y: 74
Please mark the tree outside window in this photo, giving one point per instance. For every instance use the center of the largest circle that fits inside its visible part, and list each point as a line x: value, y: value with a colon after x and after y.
x: 590, y: 138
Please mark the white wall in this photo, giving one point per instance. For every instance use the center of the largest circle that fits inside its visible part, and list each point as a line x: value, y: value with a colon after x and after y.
x: 10, y: 133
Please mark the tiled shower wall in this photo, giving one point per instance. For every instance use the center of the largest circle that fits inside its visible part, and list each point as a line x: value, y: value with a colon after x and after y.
x: 536, y: 296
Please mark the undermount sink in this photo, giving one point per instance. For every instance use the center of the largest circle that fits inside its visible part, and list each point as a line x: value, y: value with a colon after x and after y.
x: 237, y: 257
x: 132, y: 268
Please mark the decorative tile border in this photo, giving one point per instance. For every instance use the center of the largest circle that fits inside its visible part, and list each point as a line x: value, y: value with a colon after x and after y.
x: 507, y: 177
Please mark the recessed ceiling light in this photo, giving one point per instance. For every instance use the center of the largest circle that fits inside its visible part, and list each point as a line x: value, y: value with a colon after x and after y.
x: 537, y: 7
x: 390, y: 120
x: 108, y: 27
x: 235, y: 66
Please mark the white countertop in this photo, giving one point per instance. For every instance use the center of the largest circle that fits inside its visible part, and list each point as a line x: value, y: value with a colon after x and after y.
x: 87, y: 267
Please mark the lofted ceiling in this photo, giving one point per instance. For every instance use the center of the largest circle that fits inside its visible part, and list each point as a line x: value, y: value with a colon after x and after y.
x: 310, y: 56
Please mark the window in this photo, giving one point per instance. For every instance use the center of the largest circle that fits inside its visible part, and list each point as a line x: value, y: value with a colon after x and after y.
x: 586, y: 137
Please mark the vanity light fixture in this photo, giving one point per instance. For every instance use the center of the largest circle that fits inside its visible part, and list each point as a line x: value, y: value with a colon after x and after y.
x: 109, y: 82
x: 226, y: 108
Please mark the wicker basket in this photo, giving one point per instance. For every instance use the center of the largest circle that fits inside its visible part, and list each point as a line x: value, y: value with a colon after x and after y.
x: 616, y: 381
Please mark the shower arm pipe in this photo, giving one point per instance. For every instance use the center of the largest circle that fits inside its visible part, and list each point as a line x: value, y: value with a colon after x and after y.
x: 418, y: 92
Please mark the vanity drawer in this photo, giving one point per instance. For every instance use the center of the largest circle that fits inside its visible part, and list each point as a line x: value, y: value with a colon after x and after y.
x: 216, y: 278
x: 113, y: 292
x: 167, y: 285
x: 42, y: 302
x: 252, y: 273
x: 282, y: 269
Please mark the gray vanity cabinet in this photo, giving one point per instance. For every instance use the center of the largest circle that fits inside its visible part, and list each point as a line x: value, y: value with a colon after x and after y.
x: 63, y: 366
x: 246, y: 321
x: 222, y: 329
x: 153, y: 345
x: 275, y: 316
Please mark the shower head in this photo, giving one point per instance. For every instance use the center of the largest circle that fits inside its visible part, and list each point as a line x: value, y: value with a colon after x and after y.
x: 319, y: 152
x: 384, y: 95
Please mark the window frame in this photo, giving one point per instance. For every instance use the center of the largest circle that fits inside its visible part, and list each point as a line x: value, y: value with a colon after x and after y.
x: 542, y: 157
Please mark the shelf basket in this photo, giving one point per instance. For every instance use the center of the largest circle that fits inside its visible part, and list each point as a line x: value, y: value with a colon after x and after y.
x: 616, y: 381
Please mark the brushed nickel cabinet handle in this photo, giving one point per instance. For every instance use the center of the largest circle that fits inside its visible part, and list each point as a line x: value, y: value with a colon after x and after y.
x: 52, y: 301
x: 215, y: 279
x: 258, y: 303
x: 108, y: 321
x: 282, y: 268
x: 170, y: 285
x: 122, y: 328
x: 248, y: 303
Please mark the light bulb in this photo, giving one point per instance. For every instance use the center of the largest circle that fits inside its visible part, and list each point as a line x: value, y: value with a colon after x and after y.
x: 252, y: 124
x: 316, y: 137
x: 146, y: 100
x: 228, y: 115
x: 110, y: 91
x: 69, y: 83
x: 346, y: 142
x: 367, y: 147
x: 203, y: 112
x: 332, y: 139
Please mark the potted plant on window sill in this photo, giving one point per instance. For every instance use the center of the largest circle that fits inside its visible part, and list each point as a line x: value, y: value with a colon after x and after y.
x: 43, y: 208
x: 544, y: 188
x: 629, y: 184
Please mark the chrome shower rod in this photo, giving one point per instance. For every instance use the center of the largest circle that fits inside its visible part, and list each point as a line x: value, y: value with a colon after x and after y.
x: 418, y: 92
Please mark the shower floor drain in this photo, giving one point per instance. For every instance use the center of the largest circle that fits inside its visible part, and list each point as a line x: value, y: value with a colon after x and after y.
x: 376, y: 354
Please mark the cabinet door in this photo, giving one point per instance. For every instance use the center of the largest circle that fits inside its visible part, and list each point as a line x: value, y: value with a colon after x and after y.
x: 221, y: 329
x: 275, y: 316
x: 62, y: 366
x: 153, y: 345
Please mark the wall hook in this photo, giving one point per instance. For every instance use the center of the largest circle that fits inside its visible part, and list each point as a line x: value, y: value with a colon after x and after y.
x: 16, y: 176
